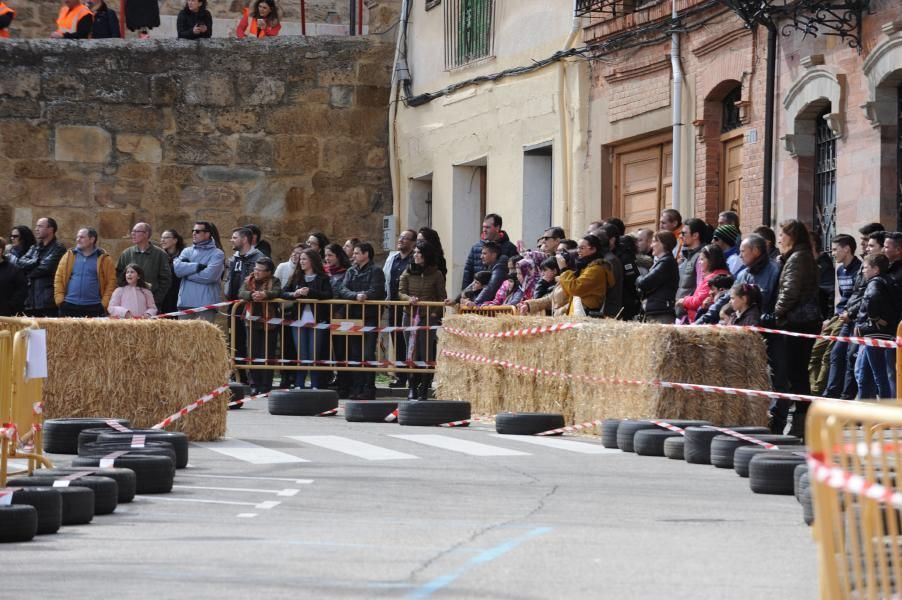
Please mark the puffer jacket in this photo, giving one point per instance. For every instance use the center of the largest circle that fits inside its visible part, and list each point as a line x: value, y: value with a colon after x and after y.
x: 474, y: 259
x: 426, y: 285
x: 369, y: 280
x: 39, y: 265
x: 878, y: 314
x: 200, y: 269
x: 591, y: 285
x: 798, y: 288
x: 688, y: 274
x: 659, y: 286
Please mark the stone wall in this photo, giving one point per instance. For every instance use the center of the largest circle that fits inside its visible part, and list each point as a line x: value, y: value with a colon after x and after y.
x: 291, y: 135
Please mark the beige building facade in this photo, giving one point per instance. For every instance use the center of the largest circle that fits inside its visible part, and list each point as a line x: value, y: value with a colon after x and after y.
x: 513, y: 145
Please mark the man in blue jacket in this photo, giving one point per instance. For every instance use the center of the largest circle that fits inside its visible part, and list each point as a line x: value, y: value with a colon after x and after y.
x: 200, y: 268
x: 491, y: 232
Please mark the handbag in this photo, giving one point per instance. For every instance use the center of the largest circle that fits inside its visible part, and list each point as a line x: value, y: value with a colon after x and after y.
x: 804, y: 313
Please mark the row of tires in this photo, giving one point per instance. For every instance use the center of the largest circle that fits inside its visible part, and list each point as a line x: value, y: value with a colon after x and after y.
x: 782, y: 470
x: 110, y: 468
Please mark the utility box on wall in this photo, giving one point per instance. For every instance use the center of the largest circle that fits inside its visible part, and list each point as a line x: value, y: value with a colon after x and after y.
x: 389, y: 232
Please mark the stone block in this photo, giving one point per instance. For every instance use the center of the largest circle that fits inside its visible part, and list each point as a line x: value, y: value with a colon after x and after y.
x: 21, y: 139
x: 177, y: 174
x: 63, y: 86
x: 254, y: 150
x: 194, y: 119
x: 57, y: 193
x: 36, y: 169
x: 296, y: 153
x: 117, y: 88
x: 82, y: 144
x: 374, y: 74
x: 223, y: 197
x: 377, y: 158
x: 197, y: 150
x: 236, y: 121
x: 135, y: 170
x: 115, y: 117
x: 19, y: 108
x: 257, y: 90
x: 20, y: 83
x: 212, y: 89
x: 114, y: 223
x: 142, y: 148
x: 341, y: 155
x: 341, y: 96
x: 164, y: 89
x: 118, y: 194
x: 228, y: 174
x: 337, y: 73
x: 373, y: 96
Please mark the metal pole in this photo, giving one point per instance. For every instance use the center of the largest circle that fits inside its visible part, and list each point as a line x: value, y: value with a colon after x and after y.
x: 766, y: 199
x: 353, y: 17
x: 303, y: 17
x: 677, y: 143
x: 359, y: 17
x: 122, y: 8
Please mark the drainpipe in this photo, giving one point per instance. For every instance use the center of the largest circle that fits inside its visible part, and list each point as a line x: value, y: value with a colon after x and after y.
x: 766, y: 199
x: 677, y: 144
x: 400, y: 73
x: 566, y: 158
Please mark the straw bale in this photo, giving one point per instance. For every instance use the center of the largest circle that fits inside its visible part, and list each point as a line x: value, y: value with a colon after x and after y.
x: 606, y: 348
x: 140, y: 370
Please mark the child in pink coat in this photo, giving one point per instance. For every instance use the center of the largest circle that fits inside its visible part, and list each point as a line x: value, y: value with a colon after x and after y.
x: 132, y: 299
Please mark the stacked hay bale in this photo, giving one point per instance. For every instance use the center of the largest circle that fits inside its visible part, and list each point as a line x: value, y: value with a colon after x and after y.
x: 606, y: 348
x: 141, y: 370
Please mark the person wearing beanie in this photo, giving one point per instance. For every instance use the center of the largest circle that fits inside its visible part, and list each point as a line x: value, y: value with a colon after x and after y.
x: 727, y: 237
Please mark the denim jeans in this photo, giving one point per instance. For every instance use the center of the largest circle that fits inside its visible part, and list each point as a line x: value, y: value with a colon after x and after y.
x: 872, y: 373
x: 311, y: 345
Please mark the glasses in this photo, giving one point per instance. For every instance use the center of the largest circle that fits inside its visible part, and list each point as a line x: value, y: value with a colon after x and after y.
x: 198, y: 231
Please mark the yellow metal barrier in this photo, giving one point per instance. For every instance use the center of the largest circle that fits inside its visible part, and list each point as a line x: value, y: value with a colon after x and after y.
x: 488, y: 311
x: 858, y: 534
x: 18, y: 397
x: 334, y: 335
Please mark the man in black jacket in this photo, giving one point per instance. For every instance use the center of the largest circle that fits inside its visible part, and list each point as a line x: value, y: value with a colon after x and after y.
x: 492, y: 260
x: 240, y: 267
x: 13, y: 286
x: 363, y: 281
x: 39, y: 265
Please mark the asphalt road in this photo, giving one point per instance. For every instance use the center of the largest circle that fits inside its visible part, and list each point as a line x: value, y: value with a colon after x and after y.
x: 315, y: 507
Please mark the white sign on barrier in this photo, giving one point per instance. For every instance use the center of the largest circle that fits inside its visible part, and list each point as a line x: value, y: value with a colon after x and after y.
x: 36, y: 356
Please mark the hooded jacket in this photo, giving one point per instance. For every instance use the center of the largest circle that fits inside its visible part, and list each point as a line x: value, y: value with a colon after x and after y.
x: 240, y: 268
x: 878, y: 314
x: 200, y: 269
x: 39, y: 265
x: 106, y: 276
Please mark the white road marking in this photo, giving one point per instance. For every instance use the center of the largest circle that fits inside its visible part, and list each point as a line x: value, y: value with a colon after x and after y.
x: 297, y: 481
x: 252, y: 453
x: 352, y: 447
x: 458, y: 445
x: 246, y: 515
x: 258, y: 505
x: 285, y: 492
x: 580, y: 447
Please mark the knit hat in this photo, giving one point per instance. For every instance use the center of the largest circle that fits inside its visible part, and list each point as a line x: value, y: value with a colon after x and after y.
x: 728, y: 233
x: 483, y: 277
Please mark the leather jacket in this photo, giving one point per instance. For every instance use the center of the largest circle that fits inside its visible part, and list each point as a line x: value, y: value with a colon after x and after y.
x: 39, y: 265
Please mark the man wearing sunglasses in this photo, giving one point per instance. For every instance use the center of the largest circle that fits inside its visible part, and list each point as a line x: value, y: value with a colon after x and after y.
x: 200, y: 266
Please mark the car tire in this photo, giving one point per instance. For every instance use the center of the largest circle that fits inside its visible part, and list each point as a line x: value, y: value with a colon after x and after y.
x: 178, y: 440
x: 508, y: 423
x: 60, y: 436
x: 153, y: 474
x: 698, y: 442
x: 650, y: 442
x: 674, y: 447
x: 723, y: 447
x: 47, y: 502
x: 18, y: 523
x: 302, y: 403
x: 432, y: 412
x: 369, y: 411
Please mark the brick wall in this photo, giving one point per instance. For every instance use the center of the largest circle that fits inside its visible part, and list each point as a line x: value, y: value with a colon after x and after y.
x: 291, y: 135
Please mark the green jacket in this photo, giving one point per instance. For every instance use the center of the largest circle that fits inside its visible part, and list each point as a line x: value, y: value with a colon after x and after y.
x: 155, y: 263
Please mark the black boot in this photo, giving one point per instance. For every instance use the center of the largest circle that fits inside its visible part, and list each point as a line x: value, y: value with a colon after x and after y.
x: 413, y: 387
x: 425, y: 384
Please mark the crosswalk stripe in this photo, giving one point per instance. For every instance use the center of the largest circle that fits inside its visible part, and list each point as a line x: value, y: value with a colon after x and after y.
x: 580, y: 447
x: 248, y: 452
x: 352, y: 447
x: 458, y: 445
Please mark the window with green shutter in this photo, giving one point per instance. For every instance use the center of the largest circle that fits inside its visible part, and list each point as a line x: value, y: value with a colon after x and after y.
x: 469, y: 31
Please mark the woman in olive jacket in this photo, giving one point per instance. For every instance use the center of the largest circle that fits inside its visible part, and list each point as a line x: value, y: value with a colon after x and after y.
x: 422, y: 282
x: 796, y: 310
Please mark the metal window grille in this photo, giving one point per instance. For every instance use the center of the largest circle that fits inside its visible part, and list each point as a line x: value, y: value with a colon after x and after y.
x: 824, y: 181
x: 469, y: 31
x: 731, y: 118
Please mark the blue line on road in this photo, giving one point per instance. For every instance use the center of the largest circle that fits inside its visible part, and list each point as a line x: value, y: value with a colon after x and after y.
x: 487, y: 556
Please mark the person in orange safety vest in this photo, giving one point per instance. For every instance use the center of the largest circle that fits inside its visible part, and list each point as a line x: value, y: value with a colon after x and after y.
x: 262, y: 22
x: 75, y: 21
x: 6, y: 18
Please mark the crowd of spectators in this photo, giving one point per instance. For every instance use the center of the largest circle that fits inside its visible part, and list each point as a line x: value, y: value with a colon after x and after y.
x: 94, y: 19
x: 685, y: 273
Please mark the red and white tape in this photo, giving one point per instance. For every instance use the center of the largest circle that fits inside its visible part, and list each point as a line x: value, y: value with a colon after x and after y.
x: 667, y: 425
x: 241, y: 401
x: 513, y: 333
x: 692, y: 387
x: 345, y: 327
x: 571, y: 428
x: 336, y: 363
x: 744, y: 437
x: 328, y: 413
x: 8, y: 431
x: 392, y: 416
x: 864, y: 341
x: 191, y: 407
x: 113, y: 424
x: 842, y: 480
x: 192, y: 311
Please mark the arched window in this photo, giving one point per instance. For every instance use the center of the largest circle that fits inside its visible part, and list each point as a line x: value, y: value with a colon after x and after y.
x: 730, y: 119
x: 824, y: 179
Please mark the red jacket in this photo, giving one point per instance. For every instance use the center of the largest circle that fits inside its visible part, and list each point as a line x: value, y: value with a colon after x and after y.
x: 694, y: 302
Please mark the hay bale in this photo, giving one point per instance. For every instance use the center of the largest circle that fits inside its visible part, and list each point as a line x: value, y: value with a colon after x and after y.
x: 141, y: 370
x: 606, y: 348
